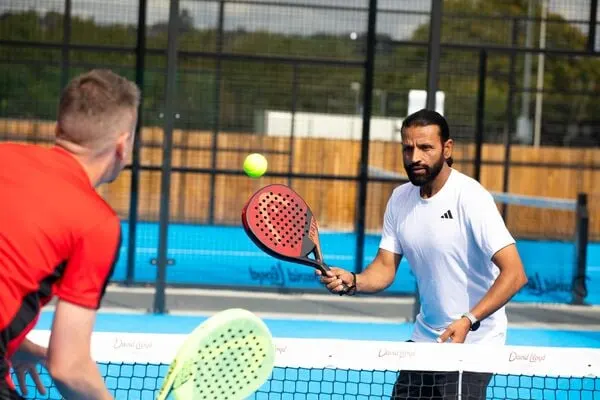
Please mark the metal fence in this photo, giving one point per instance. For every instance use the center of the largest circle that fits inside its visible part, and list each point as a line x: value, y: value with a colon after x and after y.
x: 222, y: 78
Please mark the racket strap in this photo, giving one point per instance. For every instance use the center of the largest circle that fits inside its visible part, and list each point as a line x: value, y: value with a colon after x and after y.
x: 351, y: 290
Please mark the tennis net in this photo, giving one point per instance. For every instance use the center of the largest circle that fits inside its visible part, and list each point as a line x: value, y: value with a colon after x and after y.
x: 134, y: 366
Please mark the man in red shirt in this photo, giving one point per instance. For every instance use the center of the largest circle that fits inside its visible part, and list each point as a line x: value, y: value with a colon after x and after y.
x: 58, y: 237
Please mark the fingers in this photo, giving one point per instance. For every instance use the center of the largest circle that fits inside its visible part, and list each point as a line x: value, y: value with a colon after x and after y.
x: 443, y: 338
x: 332, y: 279
x: 20, y: 372
x: 38, y: 382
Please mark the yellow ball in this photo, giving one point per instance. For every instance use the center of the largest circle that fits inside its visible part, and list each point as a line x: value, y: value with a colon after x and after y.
x: 255, y: 165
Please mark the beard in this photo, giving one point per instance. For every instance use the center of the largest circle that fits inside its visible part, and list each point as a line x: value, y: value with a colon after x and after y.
x: 428, y: 175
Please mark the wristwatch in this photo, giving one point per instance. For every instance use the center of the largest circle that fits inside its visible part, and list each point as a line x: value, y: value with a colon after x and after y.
x: 474, y: 322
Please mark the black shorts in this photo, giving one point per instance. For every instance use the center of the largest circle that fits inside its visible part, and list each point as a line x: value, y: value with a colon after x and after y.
x: 432, y: 385
x: 440, y: 385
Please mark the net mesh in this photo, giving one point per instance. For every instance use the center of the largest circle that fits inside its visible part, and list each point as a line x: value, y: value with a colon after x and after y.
x: 134, y: 366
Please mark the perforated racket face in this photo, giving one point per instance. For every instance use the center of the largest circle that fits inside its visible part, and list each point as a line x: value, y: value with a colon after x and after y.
x: 281, y: 220
x: 231, y: 363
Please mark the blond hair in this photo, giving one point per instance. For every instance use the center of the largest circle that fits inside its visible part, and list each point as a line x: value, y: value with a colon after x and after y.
x: 95, y: 108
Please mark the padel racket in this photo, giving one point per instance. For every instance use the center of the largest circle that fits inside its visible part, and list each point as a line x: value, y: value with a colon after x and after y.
x: 280, y: 223
x: 227, y: 357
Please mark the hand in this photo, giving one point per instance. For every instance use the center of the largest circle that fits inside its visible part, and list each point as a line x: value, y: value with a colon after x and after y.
x: 338, y: 280
x: 25, y: 361
x: 457, y: 331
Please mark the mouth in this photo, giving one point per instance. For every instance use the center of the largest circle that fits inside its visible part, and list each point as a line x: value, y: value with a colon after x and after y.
x: 418, y: 170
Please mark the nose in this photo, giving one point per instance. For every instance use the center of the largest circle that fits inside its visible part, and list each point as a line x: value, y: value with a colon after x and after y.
x: 415, y: 156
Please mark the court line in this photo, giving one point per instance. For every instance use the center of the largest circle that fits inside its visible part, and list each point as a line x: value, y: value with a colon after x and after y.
x: 336, y: 318
x: 264, y: 315
x: 113, y: 288
x: 260, y: 295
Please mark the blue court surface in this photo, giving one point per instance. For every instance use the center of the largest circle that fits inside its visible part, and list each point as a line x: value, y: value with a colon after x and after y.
x: 225, y: 256
x: 321, y: 329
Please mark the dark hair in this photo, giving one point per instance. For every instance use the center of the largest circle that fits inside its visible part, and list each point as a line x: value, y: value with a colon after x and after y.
x: 426, y: 117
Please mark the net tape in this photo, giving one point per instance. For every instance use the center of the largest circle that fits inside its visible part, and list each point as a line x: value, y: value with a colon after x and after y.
x: 135, y: 364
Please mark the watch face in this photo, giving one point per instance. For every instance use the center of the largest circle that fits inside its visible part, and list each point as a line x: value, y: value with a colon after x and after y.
x: 475, y: 326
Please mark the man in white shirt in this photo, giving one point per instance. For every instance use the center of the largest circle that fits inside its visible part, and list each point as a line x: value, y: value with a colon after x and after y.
x: 465, y: 261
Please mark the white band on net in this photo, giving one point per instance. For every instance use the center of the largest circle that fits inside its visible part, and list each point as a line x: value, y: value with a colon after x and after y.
x: 142, y: 348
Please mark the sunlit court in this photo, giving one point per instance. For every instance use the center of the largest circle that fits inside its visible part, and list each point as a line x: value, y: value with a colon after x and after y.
x: 299, y: 199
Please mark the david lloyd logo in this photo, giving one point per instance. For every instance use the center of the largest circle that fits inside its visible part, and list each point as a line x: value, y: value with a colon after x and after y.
x: 131, y: 344
x: 395, y: 353
x: 527, y: 357
x: 276, y: 275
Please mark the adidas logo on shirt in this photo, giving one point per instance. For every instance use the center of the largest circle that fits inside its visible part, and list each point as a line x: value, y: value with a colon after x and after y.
x: 447, y: 215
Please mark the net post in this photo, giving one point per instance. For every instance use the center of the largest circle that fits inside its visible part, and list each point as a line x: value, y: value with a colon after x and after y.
x: 165, y: 180
x: 479, y: 134
x: 369, y: 76
x: 591, y: 42
x: 579, y: 289
x: 510, y: 112
x: 434, y: 52
x: 137, y: 144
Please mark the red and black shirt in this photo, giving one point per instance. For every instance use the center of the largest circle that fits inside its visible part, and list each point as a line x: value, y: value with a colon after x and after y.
x: 58, y: 237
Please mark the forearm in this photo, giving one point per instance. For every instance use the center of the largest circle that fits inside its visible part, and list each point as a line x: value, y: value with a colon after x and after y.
x: 504, y: 288
x: 82, y: 382
x: 375, y: 278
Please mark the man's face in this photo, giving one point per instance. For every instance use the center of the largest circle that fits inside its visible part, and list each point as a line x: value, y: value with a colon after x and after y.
x: 423, y: 153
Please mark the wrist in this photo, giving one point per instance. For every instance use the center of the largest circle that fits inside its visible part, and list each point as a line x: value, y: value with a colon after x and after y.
x: 472, y: 320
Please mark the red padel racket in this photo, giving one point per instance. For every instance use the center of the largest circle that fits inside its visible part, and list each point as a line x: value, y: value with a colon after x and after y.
x: 280, y: 222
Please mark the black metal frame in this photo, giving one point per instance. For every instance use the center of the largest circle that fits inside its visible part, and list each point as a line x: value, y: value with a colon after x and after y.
x: 435, y: 46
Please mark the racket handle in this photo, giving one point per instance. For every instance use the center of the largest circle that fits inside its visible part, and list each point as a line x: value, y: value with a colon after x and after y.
x: 324, y: 268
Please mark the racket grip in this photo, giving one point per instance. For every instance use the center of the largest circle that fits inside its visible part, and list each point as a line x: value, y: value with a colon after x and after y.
x: 324, y: 268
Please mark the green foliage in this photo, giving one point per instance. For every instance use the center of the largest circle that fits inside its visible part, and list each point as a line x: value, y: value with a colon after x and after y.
x: 31, y: 77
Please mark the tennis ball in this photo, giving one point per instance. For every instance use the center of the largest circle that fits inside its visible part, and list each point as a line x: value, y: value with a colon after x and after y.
x: 255, y: 165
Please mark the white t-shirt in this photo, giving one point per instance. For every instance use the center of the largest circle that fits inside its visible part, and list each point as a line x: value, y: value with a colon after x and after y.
x: 449, y: 240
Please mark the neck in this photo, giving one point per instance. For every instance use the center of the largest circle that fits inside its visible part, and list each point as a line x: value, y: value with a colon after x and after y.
x: 93, y: 165
x: 432, y: 188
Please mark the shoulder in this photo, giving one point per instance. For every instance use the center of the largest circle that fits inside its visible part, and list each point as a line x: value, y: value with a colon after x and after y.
x: 400, y: 194
x: 470, y: 191
x: 403, y: 191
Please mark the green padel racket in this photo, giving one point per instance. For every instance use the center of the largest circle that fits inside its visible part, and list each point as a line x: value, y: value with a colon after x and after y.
x: 227, y: 357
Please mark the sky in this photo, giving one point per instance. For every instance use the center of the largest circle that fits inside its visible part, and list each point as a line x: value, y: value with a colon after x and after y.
x: 273, y: 18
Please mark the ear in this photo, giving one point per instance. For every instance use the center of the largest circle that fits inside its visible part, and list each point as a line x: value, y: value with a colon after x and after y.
x: 122, y: 145
x: 448, y: 147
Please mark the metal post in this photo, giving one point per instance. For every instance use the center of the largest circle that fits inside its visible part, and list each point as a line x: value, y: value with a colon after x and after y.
x: 434, y: 52
x: 433, y: 73
x: 479, y: 130
x: 509, y: 114
x: 165, y: 182
x: 366, y: 133
x: 293, y: 126
x: 579, y: 290
x: 64, y: 76
x: 140, y: 53
x: 217, y: 117
x: 591, y: 43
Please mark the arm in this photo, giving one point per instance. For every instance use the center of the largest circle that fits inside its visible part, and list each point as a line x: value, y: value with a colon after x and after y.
x: 511, y: 279
x: 69, y: 362
x: 380, y: 273
x: 80, y: 292
x: 376, y: 277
